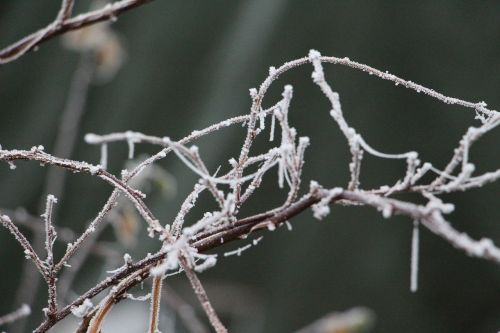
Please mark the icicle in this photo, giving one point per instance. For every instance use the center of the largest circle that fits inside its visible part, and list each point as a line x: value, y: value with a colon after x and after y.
x: 131, y: 147
x: 414, y: 257
x: 104, y: 156
x: 281, y: 171
x: 387, y: 211
x: 262, y: 121
x: 271, y: 133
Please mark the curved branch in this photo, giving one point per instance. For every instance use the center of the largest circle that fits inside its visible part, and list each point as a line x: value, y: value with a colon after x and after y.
x: 62, y: 24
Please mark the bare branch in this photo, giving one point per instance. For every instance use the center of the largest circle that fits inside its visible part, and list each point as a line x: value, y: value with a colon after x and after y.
x: 202, y: 297
x: 354, y: 320
x: 33, y: 223
x: 185, y: 312
x: 71, y: 116
x: 65, y: 11
x: 22, y: 312
x: 63, y: 24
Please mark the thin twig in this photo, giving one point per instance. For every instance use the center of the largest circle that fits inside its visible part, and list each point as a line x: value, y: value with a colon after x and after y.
x: 65, y: 11
x: 55, y: 28
x: 50, y: 238
x: 184, y: 310
x: 29, y: 252
x: 202, y: 297
x: 154, y: 310
x: 22, y: 312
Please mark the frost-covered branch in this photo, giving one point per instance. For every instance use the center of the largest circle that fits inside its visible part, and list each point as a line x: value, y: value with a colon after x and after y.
x: 184, y: 242
x: 50, y: 232
x: 50, y: 239
x: 135, y: 196
x: 29, y: 252
x: 430, y: 216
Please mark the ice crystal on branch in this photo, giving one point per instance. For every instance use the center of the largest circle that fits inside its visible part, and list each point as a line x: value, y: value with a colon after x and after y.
x: 83, y: 309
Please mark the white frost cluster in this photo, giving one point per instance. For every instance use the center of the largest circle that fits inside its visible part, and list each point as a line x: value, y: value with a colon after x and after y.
x: 82, y: 310
x: 208, y: 262
x: 322, y: 208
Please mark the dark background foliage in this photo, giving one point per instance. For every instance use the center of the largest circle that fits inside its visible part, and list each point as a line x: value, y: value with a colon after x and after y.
x: 191, y: 63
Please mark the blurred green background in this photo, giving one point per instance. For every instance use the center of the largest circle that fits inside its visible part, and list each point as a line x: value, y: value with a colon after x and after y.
x: 190, y: 63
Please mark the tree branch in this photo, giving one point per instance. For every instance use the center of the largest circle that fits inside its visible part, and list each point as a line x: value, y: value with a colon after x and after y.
x: 184, y: 246
x: 63, y: 24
